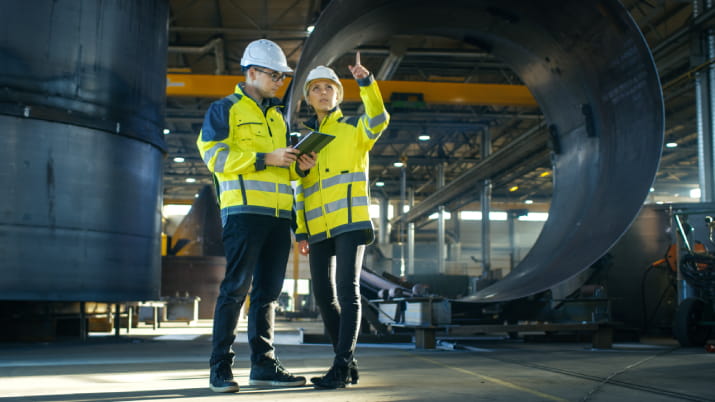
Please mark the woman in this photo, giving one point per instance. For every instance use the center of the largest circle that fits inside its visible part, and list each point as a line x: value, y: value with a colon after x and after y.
x: 332, y: 210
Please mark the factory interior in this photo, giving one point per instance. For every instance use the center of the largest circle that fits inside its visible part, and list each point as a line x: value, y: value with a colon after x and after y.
x: 542, y: 199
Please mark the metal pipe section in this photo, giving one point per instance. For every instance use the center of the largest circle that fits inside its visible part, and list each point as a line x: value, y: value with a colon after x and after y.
x: 215, y: 45
x: 81, y: 111
x: 592, y: 73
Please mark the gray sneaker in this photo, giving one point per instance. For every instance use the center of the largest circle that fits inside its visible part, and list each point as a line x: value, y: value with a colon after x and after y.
x: 222, y: 378
x: 271, y: 373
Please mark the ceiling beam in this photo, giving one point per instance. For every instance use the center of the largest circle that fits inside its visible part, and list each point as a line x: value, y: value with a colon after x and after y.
x: 533, y: 143
x: 448, y: 93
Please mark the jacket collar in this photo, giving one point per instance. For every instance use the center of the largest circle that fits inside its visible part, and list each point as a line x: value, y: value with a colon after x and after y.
x: 334, y: 114
x: 267, y: 102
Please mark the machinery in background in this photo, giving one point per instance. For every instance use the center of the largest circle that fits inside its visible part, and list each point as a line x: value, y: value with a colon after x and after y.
x: 695, y: 266
x: 193, y: 263
x: 658, y: 279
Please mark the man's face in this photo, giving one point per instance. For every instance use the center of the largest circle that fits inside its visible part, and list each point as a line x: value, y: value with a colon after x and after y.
x: 268, y: 81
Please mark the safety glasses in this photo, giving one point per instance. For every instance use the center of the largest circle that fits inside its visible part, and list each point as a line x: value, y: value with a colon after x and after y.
x: 275, y: 75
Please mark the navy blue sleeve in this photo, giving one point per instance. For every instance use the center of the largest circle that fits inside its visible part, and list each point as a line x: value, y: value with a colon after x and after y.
x: 215, y: 127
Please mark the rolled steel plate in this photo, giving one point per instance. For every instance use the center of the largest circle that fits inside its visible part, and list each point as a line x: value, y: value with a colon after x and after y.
x: 593, y: 75
x: 81, y: 116
x: 79, y: 214
x: 86, y: 62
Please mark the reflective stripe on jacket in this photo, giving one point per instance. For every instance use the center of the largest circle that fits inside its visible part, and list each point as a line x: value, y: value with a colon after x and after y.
x: 234, y: 132
x: 333, y: 198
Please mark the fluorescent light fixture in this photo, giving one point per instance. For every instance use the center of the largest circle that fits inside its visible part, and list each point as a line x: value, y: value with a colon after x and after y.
x: 470, y: 215
x: 447, y: 215
x: 695, y: 193
x: 528, y: 201
x: 398, y: 164
x: 190, y: 180
x: 166, y: 131
x: 179, y: 159
x: 379, y: 184
x: 652, y: 189
x: 535, y: 217
x: 423, y: 137
x: 175, y: 209
x: 310, y: 28
x: 375, y: 211
x: 503, y: 216
x: 671, y: 145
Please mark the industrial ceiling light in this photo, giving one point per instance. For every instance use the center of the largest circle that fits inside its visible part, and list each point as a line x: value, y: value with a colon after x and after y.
x: 179, y: 159
x: 190, y: 180
x: 379, y: 184
x: 513, y: 188
x: 398, y: 164
x: 423, y: 137
x: 671, y: 145
x: 166, y: 131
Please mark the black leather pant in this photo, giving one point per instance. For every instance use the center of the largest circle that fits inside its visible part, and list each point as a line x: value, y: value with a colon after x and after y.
x: 257, y: 248
x: 337, y: 289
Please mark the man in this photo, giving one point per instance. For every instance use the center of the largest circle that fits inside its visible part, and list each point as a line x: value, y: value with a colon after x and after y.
x: 243, y: 143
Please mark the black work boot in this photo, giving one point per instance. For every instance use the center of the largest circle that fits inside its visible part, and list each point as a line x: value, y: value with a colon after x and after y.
x: 353, y: 374
x: 222, y: 377
x: 271, y: 373
x: 336, y: 377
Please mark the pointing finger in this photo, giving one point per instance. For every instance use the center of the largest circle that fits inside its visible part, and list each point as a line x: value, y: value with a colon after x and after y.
x: 357, y: 58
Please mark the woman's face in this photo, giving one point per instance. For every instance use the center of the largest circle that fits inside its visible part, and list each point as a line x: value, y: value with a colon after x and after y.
x: 322, y: 95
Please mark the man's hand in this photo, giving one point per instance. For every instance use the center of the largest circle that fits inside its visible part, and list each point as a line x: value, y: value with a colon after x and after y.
x: 282, y: 157
x: 303, y: 247
x: 307, y: 161
x: 358, y: 70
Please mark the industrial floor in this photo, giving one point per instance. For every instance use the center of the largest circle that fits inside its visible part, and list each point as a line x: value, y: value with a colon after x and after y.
x: 170, y: 364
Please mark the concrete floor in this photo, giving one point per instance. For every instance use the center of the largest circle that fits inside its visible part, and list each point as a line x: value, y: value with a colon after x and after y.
x: 170, y: 364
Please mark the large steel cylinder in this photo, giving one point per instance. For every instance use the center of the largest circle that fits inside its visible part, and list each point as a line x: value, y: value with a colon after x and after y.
x: 592, y: 73
x: 82, y: 94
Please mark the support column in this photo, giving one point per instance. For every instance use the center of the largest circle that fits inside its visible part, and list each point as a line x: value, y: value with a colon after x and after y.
x: 401, y: 225
x: 411, y: 235
x: 705, y: 106
x: 384, y: 229
x: 440, y: 224
x: 486, y: 200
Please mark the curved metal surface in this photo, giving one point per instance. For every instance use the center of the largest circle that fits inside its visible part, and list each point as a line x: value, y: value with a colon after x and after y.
x: 94, y: 64
x: 81, y: 149
x: 589, y: 68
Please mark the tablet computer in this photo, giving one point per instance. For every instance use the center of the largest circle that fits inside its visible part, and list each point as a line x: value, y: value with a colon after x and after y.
x: 314, y: 141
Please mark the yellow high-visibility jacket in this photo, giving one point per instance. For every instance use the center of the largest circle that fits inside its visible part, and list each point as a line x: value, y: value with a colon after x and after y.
x: 333, y: 198
x: 235, y: 136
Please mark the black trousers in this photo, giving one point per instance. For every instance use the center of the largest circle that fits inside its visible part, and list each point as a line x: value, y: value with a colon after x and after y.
x: 337, y: 289
x: 257, y: 248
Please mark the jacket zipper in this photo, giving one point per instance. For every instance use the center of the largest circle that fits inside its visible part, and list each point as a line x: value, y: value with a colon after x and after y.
x: 350, y: 203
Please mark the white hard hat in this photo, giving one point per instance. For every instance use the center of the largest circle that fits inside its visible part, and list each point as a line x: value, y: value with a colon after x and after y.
x: 325, y: 73
x: 265, y: 53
